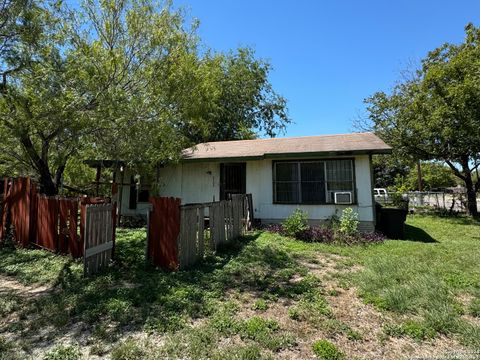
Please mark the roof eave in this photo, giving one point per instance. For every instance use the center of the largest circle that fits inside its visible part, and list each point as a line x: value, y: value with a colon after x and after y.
x: 289, y: 155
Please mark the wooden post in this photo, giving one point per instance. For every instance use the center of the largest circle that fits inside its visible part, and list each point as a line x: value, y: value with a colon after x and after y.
x: 120, y: 195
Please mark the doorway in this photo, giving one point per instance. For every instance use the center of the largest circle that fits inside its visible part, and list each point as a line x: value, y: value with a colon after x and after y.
x: 233, y: 179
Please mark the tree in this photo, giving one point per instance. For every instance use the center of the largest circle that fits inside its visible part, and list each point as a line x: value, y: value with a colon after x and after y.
x: 436, y: 114
x: 387, y: 169
x: 434, y: 176
x: 123, y: 79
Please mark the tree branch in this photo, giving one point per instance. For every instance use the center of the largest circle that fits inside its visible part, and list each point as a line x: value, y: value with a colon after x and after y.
x: 455, y: 170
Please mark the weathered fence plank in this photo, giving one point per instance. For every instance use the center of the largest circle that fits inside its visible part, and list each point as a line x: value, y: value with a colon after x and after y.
x: 201, y: 231
x: 99, y: 240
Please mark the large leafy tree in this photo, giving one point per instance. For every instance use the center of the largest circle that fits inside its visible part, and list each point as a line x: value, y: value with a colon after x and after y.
x: 123, y: 79
x: 435, y: 115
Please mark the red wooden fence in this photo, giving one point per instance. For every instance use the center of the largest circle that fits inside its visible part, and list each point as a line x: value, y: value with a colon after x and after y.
x: 163, y: 230
x: 53, y: 223
x: 177, y: 237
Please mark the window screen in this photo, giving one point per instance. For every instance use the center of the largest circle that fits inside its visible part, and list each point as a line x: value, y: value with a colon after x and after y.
x: 339, y: 177
x: 286, y: 182
x: 311, y: 182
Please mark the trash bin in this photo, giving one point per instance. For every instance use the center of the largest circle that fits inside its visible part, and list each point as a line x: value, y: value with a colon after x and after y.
x: 392, y: 222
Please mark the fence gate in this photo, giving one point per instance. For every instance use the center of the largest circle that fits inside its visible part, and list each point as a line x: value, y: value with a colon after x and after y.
x: 99, y: 237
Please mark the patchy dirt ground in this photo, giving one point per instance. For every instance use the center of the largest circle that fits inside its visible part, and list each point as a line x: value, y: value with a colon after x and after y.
x: 9, y: 285
x: 348, y: 308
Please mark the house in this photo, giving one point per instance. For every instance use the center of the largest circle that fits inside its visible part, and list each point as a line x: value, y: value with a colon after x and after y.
x: 129, y: 190
x: 321, y: 175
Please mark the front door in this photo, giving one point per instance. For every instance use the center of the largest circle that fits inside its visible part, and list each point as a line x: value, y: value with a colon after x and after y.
x: 233, y: 179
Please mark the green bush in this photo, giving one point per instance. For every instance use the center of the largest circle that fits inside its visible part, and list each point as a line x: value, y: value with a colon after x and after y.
x: 348, y: 222
x: 295, y: 223
x: 325, y: 350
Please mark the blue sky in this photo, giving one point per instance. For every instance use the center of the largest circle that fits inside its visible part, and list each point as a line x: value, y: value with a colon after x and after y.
x: 330, y: 55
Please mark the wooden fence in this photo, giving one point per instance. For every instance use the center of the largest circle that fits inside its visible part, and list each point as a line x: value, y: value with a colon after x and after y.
x: 53, y: 223
x: 99, y: 237
x: 163, y: 229
x: 189, y: 231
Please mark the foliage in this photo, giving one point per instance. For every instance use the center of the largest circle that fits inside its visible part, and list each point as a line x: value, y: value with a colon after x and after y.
x: 434, y: 176
x: 325, y: 350
x: 434, y: 114
x: 387, y: 169
x: 122, y: 80
x: 348, y: 222
x: 295, y: 223
x: 329, y: 235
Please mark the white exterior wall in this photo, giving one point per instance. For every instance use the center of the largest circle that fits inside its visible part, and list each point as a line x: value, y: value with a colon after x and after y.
x: 199, y: 182
x: 191, y: 182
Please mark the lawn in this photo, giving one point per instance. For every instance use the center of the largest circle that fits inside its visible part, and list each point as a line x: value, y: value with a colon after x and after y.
x: 265, y: 296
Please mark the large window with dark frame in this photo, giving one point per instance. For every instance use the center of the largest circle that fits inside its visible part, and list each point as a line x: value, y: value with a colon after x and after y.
x: 311, y: 182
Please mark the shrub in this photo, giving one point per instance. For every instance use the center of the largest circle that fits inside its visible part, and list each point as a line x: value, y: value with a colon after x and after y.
x: 348, y: 222
x: 341, y: 231
x: 317, y: 234
x: 295, y: 223
x: 325, y: 350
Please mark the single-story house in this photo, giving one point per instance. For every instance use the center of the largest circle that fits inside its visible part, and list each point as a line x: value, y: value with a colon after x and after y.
x: 321, y: 175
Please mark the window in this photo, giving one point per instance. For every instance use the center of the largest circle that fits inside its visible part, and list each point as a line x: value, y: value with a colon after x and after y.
x: 311, y: 182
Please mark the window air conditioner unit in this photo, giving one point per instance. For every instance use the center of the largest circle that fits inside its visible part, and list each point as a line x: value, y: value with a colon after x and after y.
x: 344, y: 197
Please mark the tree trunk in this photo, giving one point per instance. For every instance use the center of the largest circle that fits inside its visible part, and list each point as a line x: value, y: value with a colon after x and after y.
x: 420, y: 180
x: 471, y: 195
x: 49, y: 184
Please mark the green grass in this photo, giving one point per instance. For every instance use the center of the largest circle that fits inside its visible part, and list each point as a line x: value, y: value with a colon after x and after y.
x: 132, y: 295
x: 418, y: 281
x: 422, y: 277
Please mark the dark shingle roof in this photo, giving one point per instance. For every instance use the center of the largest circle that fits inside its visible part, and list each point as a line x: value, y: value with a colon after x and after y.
x: 324, y: 145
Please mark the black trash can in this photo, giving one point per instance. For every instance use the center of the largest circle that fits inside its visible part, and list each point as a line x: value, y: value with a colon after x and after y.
x: 392, y: 222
